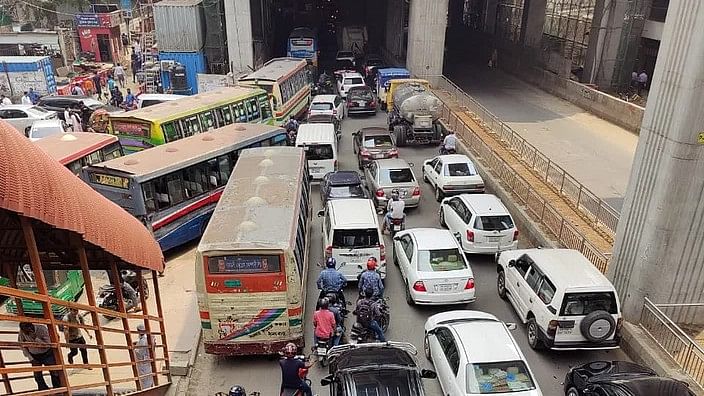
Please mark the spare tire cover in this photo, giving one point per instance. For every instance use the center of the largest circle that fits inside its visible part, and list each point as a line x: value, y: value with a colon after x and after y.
x: 597, y: 326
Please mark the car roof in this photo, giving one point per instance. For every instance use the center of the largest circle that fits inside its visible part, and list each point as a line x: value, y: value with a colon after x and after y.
x: 70, y: 97
x: 373, y: 130
x: 146, y: 96
x: 351, y: 75
x: 454, y: 158
x: 352, y: 212
x: 433, y: 238
x: 487, y: 338
x: 567, y: 268
x: 353, y: 356
x: 392, y: 163
x: 323, y: 98
x: 316, y: 133
x: 44, y: 123
x: 485, y: 204
x: 343, y: 178
x: 359, y: 88
x: 641, y: 384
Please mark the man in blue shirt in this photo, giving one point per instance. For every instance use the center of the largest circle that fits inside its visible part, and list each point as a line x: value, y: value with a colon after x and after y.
x: 370, y: 279
x: 331, y: 280
x: 130, y: 101
x: 33, y: 96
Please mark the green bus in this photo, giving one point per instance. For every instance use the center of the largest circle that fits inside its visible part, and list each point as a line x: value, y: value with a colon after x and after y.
x: 176, y: 119
x: 66, y: 285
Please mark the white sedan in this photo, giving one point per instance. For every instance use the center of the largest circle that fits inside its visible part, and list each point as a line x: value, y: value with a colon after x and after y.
x: 474, y: 353
x: 452, y: 174
x: 434, y: 269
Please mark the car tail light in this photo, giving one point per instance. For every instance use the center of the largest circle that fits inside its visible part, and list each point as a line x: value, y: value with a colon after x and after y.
x: 619, y: 323
x: 382, y: 252
x: 416, y: 191
x: 515, y: 235
x: 470, y: 284
x: 380, y: 193
x: 470, y: 236
x: 365, y: 153
x: 328, y: 251
x: 334, y: 112
x: 373, y: 104
x: 393, y: 153
x: 419, y: 286
x: 552, y: 327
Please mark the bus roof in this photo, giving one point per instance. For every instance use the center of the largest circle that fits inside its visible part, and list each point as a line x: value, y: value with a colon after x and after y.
x: 273, y: 70
x: 166, y: 110
x: 305, y: 32
x: 258, y: 209
x: 68, y: 147
x: 159, y: 160
x: 393, y: 72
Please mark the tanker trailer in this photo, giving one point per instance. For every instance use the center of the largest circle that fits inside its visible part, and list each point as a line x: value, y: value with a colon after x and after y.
x: 415, y: 113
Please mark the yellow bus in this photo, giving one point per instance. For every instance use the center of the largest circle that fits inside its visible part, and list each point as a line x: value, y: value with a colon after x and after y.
x: 287, y: 81
x: 173, y: 120
x: 252, y: 260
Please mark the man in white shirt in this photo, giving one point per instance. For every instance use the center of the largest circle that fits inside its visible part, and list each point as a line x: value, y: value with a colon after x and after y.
x: 642, y: 81
x: 394, y: 210
x: 4, y: 100
x: 449, y: 143
x: 26, y: 100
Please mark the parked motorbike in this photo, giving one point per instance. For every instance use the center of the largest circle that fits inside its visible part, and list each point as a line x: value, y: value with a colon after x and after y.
x: 445, y: 151
x: 107, y: 298
x: 360, y: 334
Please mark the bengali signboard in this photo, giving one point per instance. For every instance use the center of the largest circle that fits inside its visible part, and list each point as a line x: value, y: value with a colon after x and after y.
x: 87, y: 20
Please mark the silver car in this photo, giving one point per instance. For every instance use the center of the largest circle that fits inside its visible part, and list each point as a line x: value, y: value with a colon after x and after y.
x: 384, y: 175
x: 23, y: 116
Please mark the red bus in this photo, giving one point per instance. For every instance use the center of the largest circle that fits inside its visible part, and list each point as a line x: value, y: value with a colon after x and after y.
x: 78, y: 149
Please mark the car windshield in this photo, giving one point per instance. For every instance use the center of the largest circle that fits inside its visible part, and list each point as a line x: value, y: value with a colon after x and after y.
x: 359, y: 238
x: 355, y: 191
x: 498, y: 377
x: 580, y: 304
x: 460, y: 169
x: 441, y: 260
x: 317, y: 152
x: 151, y: 102
x: 363, y: 94
x: 38, y: 109
x: 392, y: 176
x: 353, y: 80
x: 40, y: 132
x: 321, y: 106
x: 378, y: 141
x: 493, y: 223
x: 383, y: 381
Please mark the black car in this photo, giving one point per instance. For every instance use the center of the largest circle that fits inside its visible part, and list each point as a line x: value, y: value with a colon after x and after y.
x: 340, y: 185
x: 619, y: 378
x: 375, y: 369
x: 59, y: 103
x: 361, y: 100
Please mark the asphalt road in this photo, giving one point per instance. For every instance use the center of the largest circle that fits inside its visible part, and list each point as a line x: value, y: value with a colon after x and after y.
x: 212, y: 374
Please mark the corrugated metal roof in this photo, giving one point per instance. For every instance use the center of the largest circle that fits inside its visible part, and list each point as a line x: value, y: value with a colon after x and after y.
x: 34, y: 185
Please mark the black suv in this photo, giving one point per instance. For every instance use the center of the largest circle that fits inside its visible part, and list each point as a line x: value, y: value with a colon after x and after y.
x: 59, y: 103
x: 341, y: 184
x: 375, y: 369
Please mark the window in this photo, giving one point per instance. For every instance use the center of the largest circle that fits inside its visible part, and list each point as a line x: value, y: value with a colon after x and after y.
x: 244, y: 264
x: 207, y: 119
x: 493, y: 223
x: 533, y: 278
x: 546, y: 291
x: 353, y: 81
x: 498, y: 377
x: 403, y: 175
x: 567, y: 27
x: 449, y: 348
x: 150, y: 197
x: 408, y: 247
x: 440, y: 260
x: 460, y: 169
x: 174, y: 186
x: 253, y: 109
x: 112, y: 151
x: 227, y: 115
x: 195, y: 180
x: 579, y: 304
x: 509, y: 15
x: 438, y: 167
x: 353, y: 191
x: 321, y: 106
x: 317, y: 152
x: 264, y: 107
x: 241, y: 112
x: 93, y: 158
x: 522, y: 264
x: 378, y: 141
x: 191, y: 126
x: 360, y: 238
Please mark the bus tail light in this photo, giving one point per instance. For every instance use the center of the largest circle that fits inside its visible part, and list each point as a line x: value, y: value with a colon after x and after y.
x: 382, y: 252
x: 419, y: 286
x: 328, y: 251
x: 204, y: 315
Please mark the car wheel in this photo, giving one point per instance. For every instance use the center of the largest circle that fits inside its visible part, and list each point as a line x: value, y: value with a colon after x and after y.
x: 572, y: 391
x: 438, y: 194
x: 442, y: 218
x: 501, y: 284
x: 409, y: 299
x: 426, y: 348
x: 532, y: 333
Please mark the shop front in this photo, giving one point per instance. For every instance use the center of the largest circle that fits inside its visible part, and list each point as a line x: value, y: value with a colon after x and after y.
x: 99, y: 33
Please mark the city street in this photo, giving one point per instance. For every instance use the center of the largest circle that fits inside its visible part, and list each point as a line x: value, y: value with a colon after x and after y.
x: 212, y: 374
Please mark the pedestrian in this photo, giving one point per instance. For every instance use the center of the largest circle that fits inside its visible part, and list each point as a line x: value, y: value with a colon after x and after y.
x: 77, y: 90
x: 85, y: 112
x: 39, y: 355
x: 119, y: 73
x: 89, y: 86
x: 68, y: 119
x: 33, y: 96
x: 98, y: 85
x: 136, y: 48
x: 634, y: 79
x: 136, y: 66
x: 73, y: 335
x: 4, y: 100
x: 26, y: 100
x: 143, y: 354
x: 642, y: 81
x: 76, y: 121
x: 111, y: 83
x: 130, y: 101
x: 494, y: 58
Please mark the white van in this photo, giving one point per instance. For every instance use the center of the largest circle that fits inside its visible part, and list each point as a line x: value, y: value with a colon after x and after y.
x: 320, y: 144
x: 351, y: 235
x: 146, y: 100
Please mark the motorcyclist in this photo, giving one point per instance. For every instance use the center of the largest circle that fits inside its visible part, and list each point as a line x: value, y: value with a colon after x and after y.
x: 449, y: 144
x: 370, y: 279
x: 290, y: 379
x: 324, y: 323
x: 291, y: 124
x: 331, y: 280
x: 368, y: 314
x: 336, y: 309
x: 394, y: 210
x: 323, y: 78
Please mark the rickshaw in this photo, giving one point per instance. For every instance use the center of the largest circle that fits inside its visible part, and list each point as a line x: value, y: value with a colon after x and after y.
x: 327, y: 119
x: 99, y: 121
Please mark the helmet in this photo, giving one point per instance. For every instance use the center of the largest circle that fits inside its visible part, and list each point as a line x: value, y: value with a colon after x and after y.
x: 332, y: 298
x: 324, y: 303
x: 237, y: 390
x: 371, y: 263
x: 395, y: 194
x: 290, y: 349
x: 331, y: 262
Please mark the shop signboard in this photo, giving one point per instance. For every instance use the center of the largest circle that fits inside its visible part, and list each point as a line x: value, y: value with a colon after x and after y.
x: 87, y: 20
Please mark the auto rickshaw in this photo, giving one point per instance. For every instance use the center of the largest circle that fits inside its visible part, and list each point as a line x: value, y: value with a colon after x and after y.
x: 99, y: 121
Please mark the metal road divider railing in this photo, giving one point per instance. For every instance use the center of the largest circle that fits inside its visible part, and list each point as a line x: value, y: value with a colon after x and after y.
x: 602, y: 215
x: 541, y: 210
x: 672, y: 339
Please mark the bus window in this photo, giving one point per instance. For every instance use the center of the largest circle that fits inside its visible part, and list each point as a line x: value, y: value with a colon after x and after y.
x: 225, y: 167
x: 150, y: 197
x: 93, y: 158
x: 207, y: 120
x: 235, y: 113
x: 171, y: 131
x: 219, y: 118
x: 242, y: 112
x: 227, y: 115
x: 75, y: 166
x: 279, y: 140
x: 264, y: 108
x: 175, y: 188
x: 195, y: 179
x: 112, y: 151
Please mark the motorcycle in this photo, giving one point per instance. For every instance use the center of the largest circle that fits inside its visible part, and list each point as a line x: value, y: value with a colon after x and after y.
x: 227, y: 394
x: 397, y: 225
x: 107, y: 298
x: 321, y: 350
x: 445, y: 151
x: 360, y: 334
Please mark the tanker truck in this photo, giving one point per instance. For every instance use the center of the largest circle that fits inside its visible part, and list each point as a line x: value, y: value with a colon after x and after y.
x: 413, y: 119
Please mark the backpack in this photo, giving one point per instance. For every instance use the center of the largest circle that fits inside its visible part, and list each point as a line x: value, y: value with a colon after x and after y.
x: 365, y: 311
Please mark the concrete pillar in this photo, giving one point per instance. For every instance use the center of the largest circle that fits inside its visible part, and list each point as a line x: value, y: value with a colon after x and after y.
x: 533, y: 23
x: 427, y: 22
x: 394, y: 29
x: 659, y: 248
x: 238, y: 23
x: 492, y: 7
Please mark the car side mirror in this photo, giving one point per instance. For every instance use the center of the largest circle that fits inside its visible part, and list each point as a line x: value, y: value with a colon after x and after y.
x: 512, y: 263
x: 411, y: 164
x: 397, y: 238
x: 327, y: 380
x: 457, y: 235
x: 321, y: 213
x: 425, y: 373
x: 511, y: 326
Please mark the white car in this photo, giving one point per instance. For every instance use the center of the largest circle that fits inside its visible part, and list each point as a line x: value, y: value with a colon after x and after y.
x: 433, y: 267
x: 348, y: 81
x: 474, y: 353
x: 342, y: 56
x: 480, y: 222
x: 327, y: 105
x: 43, y: 128
x: 452, y: 174
x: 23, y: 116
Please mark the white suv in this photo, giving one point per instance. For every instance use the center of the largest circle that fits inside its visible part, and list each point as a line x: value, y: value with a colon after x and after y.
x: 348, y: 81
x: 565, y: 302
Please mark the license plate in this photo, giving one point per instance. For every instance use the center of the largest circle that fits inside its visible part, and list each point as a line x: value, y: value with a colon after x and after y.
x: 315, y: 170
x: 561, y: 330
x: 322, y: 351
x: 397, y: 227
x: 361, y: 103
x: 494, y: 237
x: 443, y: 288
